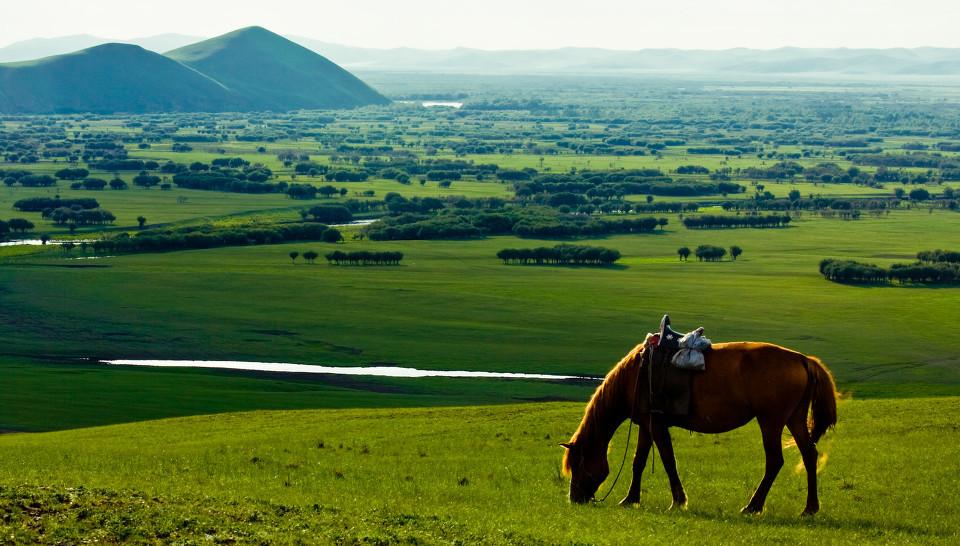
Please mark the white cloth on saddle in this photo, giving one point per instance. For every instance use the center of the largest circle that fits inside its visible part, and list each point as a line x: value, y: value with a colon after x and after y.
x: 690, y: 355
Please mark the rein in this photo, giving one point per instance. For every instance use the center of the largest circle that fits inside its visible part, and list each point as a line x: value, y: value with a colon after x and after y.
x: 626, y: 447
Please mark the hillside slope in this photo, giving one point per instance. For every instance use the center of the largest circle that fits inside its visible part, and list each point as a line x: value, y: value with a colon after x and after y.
x: 106, y: 79
x: 273, y: 73
x: 465, y: 475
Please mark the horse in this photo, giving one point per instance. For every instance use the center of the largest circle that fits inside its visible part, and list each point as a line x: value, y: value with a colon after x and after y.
x: 742, y: 381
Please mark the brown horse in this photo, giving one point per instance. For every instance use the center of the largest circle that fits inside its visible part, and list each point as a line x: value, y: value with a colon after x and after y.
x: 778, y: 386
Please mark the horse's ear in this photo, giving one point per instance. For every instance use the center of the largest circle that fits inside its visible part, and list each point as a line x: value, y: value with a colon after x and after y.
x: 566, y: 445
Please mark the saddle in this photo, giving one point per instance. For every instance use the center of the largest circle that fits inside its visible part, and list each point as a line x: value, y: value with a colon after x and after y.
x: 663, y: 387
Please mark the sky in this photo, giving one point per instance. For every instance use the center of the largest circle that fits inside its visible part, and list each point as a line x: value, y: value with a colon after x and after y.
x: 508, y: 24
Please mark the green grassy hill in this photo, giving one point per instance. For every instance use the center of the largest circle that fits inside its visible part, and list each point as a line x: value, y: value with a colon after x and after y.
x: 250, y: 69
x: 109, y: 78
x: 465, y: 475
x: 273, y: 73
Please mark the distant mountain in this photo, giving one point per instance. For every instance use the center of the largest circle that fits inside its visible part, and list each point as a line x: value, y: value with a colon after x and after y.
x: 161, y: 43
x: 591, y: 61
x: 273, y: 73
x: 106, y: 79
x: 38, y: 48
x: 46, y: 47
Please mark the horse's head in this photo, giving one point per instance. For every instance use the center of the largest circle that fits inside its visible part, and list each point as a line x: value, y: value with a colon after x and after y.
x: 587, y: 469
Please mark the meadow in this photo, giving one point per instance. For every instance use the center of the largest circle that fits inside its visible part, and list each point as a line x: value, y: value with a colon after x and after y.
x: 465, y: 475
x: 187, y: 456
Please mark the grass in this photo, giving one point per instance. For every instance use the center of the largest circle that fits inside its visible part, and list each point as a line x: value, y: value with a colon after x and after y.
x: 450, y: 298
x: 41, y: 396
x: 163, y: 207
x: 465, y: 475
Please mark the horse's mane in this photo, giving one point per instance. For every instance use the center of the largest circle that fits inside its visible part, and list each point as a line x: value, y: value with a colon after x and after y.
x: 601, y: 402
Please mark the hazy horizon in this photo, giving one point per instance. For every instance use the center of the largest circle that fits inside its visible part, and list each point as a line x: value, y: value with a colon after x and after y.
x: 502, y: 25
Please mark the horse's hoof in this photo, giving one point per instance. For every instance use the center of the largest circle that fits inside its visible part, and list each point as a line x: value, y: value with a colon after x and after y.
x: 751, y: 510
x: 678, y: 506
x: 810, y: 512
x: 627, y: 502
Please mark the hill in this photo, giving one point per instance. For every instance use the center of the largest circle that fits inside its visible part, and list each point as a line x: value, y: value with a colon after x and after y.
x: 109, y: 78
x: 464, y: 475
x: 273, y: 73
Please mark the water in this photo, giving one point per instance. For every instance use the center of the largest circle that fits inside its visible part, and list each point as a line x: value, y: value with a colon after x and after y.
x: 441, y: 104
x: 373, y: 371
x: 38, y: 242
x: 435, y: 103
x: 357, y: 223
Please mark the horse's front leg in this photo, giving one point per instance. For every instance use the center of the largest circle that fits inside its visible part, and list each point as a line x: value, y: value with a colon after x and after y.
x: 639, y: 463
x: 661, y: 436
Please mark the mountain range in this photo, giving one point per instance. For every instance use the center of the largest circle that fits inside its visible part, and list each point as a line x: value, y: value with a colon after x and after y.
x: 249, y: 69
x: 893, y: 62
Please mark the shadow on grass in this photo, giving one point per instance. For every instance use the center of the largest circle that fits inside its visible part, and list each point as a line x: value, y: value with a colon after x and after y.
x: 819, y: 521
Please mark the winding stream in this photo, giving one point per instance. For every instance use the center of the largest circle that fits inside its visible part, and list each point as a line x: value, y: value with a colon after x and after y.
x: 374, y: 371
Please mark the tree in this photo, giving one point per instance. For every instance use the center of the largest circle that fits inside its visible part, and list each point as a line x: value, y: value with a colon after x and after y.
x: 294, y: 255
x: 735, y: 251
x: 310, y: 256
x: 649, y: 199
x: 684, y: 253
x: 20, y: 225
x: 141, y: 221
x: 331, y: 236
x: 794, y: 195
x: 118, y: 184
x: 919, y: 194
x: 44, y: 238
x: 899, y: 193
x: 710, y: 253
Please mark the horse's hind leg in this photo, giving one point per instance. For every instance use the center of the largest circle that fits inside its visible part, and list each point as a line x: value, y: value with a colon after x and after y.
x: 639, y: 463
x: 661, y: 436
x: 771, y: 432
x: 808, y: 450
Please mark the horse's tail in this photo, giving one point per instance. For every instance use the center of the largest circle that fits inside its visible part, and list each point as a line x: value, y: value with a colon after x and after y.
x: 823, y: 398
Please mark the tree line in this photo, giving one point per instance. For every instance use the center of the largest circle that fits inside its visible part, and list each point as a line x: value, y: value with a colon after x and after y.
x: 524, y: 222
x: 931, y: 272
x: 709, y: 253
x: 560, y: 255
x: 364, y: 257
x: 708, y: 221
x: 39, y: 204
x: 201, y: 237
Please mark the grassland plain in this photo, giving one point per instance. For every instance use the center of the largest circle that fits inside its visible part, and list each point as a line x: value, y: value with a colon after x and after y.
x: 443, y: 306
x: 465, y: 475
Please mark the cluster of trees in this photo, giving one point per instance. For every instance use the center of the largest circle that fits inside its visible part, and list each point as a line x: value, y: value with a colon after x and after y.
x: 921, y: 272
x: 40, y: 204
x: 15, y: 225
x: 709, y: 253
x: 98, y: 184
x: 560, y: 255
x: 723, y: 222
x: 309, y: 256
x: 364, y: 257
x: 939, y: 256
x: 208, y: 236
x: 594, y: 185
x: 705, y: 253
x: 851, y: 271
x: 525, y: 222
x: 328, y: 214
x: 63, y: 216
x: 27, y: 179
